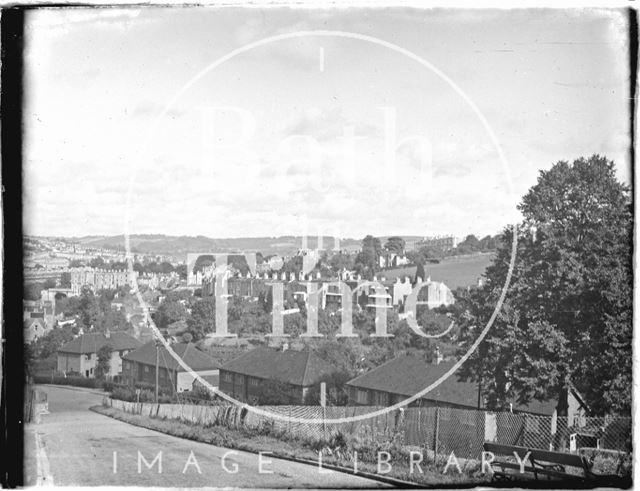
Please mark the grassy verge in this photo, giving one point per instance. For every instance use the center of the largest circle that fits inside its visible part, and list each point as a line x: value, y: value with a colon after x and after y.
x: 290, y: 448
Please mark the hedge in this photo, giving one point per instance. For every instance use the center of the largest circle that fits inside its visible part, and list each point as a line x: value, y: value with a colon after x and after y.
x: 60, y: 380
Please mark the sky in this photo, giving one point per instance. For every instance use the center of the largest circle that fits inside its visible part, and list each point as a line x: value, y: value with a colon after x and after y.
x: 241, y: 122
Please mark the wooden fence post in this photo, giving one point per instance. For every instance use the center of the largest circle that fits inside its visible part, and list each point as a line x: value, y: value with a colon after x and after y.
x: 435, y: 435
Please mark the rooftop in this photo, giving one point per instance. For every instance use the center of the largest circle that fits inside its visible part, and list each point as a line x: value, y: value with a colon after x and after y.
x: 192, y: 356
x: 407, y: 375
x: 92, y: 342
x: 302, y: 368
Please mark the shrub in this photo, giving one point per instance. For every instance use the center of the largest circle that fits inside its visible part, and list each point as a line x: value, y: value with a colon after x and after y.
x: 61, y: 380
x: 124, y: 394
x: 107, y: 385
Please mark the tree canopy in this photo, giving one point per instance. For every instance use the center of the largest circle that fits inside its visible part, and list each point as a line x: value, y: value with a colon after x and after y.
x: 568, y: 312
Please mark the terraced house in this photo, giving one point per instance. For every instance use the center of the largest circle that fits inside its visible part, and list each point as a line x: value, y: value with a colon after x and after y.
x: 80, y: 355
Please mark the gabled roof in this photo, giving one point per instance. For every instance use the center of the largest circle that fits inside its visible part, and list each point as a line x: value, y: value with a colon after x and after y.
x: 302, y: 368
x: 92, y: 342
x: 34, y: 320
x: 407, y: 375
x: 192, y: 356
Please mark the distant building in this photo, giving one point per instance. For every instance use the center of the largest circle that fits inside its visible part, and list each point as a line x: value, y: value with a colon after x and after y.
x: 40, y: 274
x: 444, y: 242
x: 80, y: 355
x: 242, y: 377
x: 392, y: 260
x: 140, y: 366
x: 435, y: 294
x: 34, y: 328
x: 38, y: 309
x: 246, y: 287
x: 100, y: 279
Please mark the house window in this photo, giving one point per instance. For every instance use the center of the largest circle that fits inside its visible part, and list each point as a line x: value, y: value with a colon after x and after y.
x: 254, y: 381
x: 126, y: 365
x: 146, y: 369
x: 87, y: 357
x: 382, y: 398
x: 240, y: 380
x: 361, y: 396
x: 227, y: 377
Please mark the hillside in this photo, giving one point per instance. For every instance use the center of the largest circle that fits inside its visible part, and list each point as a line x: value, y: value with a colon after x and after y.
x: 456, y: 271
x: 180, y: 245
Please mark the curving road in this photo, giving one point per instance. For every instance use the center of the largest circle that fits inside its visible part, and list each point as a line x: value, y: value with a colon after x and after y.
x: 72, y: 446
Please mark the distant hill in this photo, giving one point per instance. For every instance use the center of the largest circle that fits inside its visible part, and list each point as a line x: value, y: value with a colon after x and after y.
x: 180, y: 245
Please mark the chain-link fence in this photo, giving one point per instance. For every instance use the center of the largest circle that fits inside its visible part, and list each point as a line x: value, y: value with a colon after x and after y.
x: 439, y: 430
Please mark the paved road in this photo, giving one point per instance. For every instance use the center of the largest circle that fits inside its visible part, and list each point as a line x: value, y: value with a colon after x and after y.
x: 74, y: 446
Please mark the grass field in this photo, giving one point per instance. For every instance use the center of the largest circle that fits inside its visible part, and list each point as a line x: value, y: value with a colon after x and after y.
x: 455, y: 272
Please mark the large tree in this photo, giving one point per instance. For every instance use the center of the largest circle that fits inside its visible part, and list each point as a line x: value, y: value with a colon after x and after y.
x: 170, y: 310
x: 395, y: 244
x: 203, y: 318
x: 568, y: 311
x: 367, y: 260
x: 103, y: 366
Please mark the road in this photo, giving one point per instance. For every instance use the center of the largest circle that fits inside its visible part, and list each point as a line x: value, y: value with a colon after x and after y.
x: 73, y: 446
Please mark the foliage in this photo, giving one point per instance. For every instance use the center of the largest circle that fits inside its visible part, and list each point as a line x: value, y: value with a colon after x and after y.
x: 103, y: 364
x: 126, y: 393
x: 203, y: 318
x: 395, y: 244
x: 568, y: 312
x: 336, y: 390
x: 345, y: 355
x: 65, y: 280
x: 420, y: 273
x: 69, y: 380
x: 339, y: 261
x: 273, y: 393
x: 48, y: 345
x: 367, y: 262
x: 169, y: 311
x: 97, y: 262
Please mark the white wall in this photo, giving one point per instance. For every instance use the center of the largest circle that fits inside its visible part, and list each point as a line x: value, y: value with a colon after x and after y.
x: 185, y: 379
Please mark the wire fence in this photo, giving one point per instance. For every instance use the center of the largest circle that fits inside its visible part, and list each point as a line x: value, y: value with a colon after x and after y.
x: 439, y: 430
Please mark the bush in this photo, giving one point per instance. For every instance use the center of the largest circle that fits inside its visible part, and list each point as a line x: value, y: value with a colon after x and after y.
x: 124, y: 394
x: 107, y: 385
x: 127, y: 393
x: 61, y: 380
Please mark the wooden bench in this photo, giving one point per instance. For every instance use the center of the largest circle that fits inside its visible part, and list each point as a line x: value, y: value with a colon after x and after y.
x: 543, y: 464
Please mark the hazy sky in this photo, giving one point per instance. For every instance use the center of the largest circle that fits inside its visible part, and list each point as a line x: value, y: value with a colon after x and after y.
x: 256, y: 145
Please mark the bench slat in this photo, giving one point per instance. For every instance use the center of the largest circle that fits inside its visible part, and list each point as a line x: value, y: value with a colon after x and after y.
x: 536, y: 470
x: 536, y: 454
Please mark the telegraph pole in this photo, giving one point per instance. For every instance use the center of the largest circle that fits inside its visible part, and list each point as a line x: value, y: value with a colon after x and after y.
x: 157, y: 363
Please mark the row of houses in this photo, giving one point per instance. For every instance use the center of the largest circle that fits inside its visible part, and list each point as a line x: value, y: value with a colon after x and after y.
x: 246, y: 376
